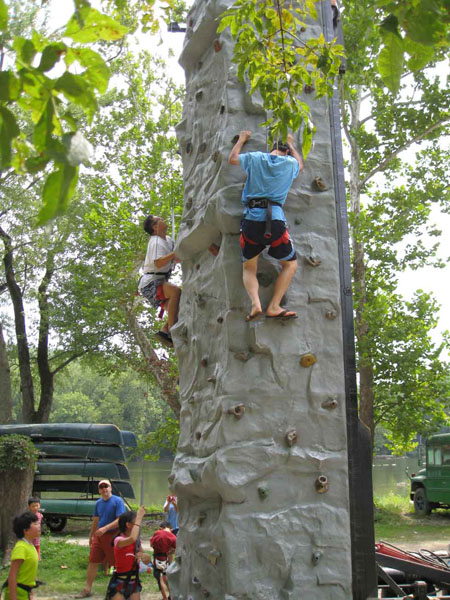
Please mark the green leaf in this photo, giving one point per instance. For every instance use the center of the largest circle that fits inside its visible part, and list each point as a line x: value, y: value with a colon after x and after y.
x: 420, y: 55
x: 3, y: 16
x: 389, y: 25
x: 97, y: 71
x: 77, y: 90
x: 43, y: 130
x: 58, y: 190
x: 390, y: 61
x: 25, y: 51
x: 90, y: 25
x: 425, y: 26
x: 51, y: 55
x: 9, y: 86
x: 8, y: 131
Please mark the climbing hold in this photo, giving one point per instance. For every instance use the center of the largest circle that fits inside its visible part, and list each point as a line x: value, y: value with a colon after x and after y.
x: 171, y: 478
x: 213, y: 556
x: 330, y: 403
x: 201, y: 302
x: 217, y: 45
x: 322, y: 484
x: 238, y: 411
x: 235, y: 139
x: 195, y: 475
x: 202, y: 147
x: 302, y: 29
x: 200, y: 64
x: 215, y: 156
x: 188, y: 147
x: 316, y: 557
x: 308, y: 360
x: 319, y: 184
x: 263, y: 492
x: 222, y: 109
x: 197, y: 267
x: 199, y: 95
x: 331, y: 314
x: 308, y: 89
x: 198, y: 435
x: 212, y: 379
x: 204, y: 361
x: 201, y: 517
x: 312, y: 262
x: 205, y: 593
x: 243, y: 356
x: 191, y: 23
x: 298, y: 221
x: 195, y: 581
x: 220, y: 319
x: 188, y: 203
x: 291, y: 437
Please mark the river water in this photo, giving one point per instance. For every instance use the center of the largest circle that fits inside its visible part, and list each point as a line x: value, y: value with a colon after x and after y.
x: 388, y: 477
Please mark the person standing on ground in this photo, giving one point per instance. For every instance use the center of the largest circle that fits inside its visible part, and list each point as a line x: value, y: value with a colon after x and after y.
x: 164, y: 543
x: 24, y: 558
x: 103, y: 530
x: 154, y: 284
x: 269, y: 178
x: 34, y: 506
x: 171, y: 508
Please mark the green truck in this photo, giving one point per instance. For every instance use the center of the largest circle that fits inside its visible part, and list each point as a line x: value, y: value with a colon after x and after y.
x: 430, y: 487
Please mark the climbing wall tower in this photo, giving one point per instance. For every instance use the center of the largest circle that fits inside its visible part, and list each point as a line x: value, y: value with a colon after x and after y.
x: 272, y: 471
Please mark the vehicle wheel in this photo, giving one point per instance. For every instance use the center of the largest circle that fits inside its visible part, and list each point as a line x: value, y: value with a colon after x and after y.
x: 421, y: 505
x: 55, y: 524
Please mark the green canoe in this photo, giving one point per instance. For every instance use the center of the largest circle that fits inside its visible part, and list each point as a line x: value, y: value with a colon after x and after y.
x: 84, y: 469
x: 84, y: 451
x: 82, y: 486
x: 89, y: 432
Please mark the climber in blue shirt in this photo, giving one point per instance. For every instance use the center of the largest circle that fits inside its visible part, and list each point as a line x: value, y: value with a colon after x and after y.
x: 269, y: 178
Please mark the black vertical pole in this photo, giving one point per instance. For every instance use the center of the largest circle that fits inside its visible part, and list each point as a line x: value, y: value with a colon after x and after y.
x: 364, y: 580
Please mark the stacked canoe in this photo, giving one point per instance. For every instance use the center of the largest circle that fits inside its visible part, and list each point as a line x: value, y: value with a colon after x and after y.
x: 84, y: 453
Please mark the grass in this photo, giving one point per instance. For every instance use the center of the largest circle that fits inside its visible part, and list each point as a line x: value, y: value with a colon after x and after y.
x: 396, y: 522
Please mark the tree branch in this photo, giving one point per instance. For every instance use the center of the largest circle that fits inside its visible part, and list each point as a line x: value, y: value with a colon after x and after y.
x: 391, y: 156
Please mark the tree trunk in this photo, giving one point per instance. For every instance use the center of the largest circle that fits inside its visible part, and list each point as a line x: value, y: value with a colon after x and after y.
x: 365, y: 367
x: 160, y: 369
x: 45, y: 375
x: 5, y: 382
x: 15, y: 489
x: 26, y: 379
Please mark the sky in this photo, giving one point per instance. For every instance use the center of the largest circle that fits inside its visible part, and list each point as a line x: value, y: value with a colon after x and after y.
x: 436, y: 281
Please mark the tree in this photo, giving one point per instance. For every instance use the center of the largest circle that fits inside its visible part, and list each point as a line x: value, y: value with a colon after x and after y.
x: 78, y: 275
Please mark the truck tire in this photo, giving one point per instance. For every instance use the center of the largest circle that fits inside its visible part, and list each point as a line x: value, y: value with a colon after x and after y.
x: 421, y: 505
x: 55, y: 524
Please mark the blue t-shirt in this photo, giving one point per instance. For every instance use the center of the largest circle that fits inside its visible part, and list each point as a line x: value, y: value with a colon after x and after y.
x: 172, y: 517
x: 108, y: 510
x: 268, y: 176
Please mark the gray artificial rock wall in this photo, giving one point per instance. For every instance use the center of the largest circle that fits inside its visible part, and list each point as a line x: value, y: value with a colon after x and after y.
x: 261, y: 471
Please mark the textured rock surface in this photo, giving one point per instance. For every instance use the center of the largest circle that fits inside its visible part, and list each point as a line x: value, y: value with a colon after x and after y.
x: 261, y: 471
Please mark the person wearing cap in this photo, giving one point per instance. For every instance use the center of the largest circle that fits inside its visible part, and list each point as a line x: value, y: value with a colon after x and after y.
x: 269, y: 178
x: 104, y: 527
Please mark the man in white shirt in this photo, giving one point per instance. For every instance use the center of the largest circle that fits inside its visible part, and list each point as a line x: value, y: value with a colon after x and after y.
x: 154, y: 285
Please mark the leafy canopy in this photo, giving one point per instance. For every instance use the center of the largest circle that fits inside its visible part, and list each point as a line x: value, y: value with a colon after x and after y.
x: 284, y: 59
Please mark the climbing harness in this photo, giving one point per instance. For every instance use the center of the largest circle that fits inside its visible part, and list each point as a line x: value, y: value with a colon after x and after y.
x: 264, y: 203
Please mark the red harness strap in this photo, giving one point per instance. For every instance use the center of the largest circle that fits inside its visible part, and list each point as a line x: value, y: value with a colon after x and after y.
x: 160, y: 296
x: 284, y: 239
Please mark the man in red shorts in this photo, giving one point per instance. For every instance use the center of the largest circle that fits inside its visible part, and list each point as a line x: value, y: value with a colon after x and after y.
x: 269, y: 178
x: 163, y: 543
x: 104, y: 528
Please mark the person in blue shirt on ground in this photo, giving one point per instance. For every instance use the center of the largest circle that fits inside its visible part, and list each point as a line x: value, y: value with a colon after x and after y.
x: 104, y: 528
x: 269, y: 178
x: 171, y: 508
